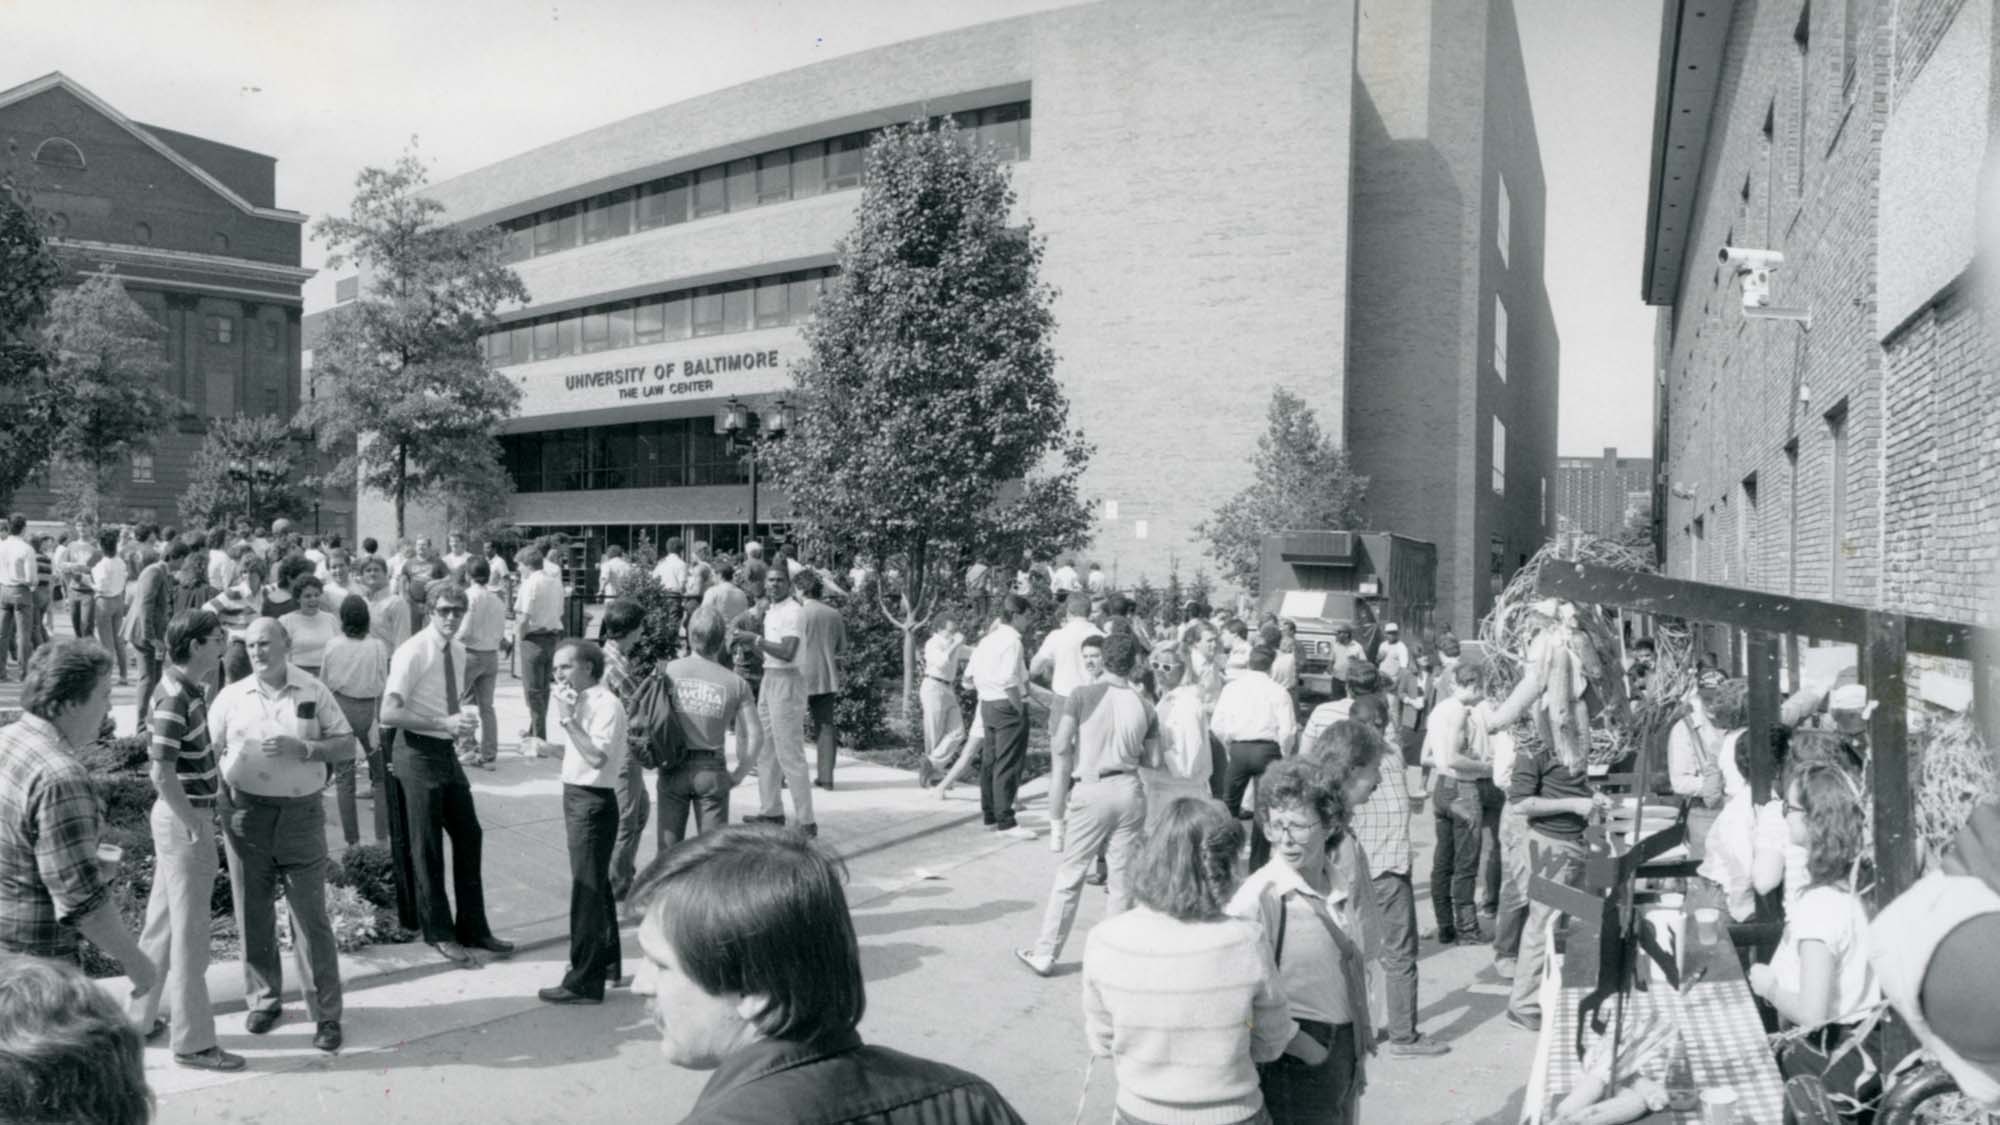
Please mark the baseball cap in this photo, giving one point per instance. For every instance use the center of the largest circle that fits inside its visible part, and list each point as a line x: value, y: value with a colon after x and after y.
x: 1392, y: 627
x: 1709, y: 678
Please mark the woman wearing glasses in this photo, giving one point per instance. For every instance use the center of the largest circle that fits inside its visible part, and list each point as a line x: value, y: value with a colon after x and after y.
x: 1184, y: 764
x: 1312, y: 913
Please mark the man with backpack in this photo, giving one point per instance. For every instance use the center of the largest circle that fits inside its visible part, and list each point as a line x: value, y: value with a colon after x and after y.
x: 709, y: 702
x: 623, y: 619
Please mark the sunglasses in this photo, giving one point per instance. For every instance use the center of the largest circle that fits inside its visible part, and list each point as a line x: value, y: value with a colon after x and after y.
x: 448, y: 610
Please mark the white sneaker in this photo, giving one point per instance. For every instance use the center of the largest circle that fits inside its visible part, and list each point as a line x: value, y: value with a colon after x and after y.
x: 1019, y: 832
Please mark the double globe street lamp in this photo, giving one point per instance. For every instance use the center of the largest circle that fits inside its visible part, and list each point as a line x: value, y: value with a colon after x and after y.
x: 746, y: 430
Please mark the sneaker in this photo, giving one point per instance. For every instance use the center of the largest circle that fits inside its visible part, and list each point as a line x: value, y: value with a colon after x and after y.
x: 1526, y: 1021
x: 1420, y: 1047
x: 1018, y: 832
x: 1035, y: 964
x: 1503, y: 967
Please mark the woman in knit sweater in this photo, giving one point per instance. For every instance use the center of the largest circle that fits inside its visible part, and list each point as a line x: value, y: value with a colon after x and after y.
x: 1184, y: 998
x: 1308, y: 913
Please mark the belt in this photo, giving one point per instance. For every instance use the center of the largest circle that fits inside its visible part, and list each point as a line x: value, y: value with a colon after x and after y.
x: 1101, y: 775
x: 939, y: 679
x: 238, y: 796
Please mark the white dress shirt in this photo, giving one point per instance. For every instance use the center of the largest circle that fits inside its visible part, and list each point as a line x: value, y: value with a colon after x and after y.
x: 1064, y: 581
x: 603, y: 719
x: 540, y: 603
x: 485, y: 619
x: 996, y: 665
x: 17, y: 561
x: 1062, y: 653
x: 416, y: 673
x: 672, y: 572
x: 1253, y: 708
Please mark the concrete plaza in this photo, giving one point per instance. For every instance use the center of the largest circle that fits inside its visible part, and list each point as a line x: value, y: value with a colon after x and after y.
x: 939, y: 905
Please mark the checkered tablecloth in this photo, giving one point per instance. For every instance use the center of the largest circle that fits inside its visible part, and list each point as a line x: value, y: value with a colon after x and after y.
x: 1725, y: 1043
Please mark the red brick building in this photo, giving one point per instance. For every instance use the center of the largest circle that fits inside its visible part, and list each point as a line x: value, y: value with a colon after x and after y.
x: 1851, y: 455
x: 193, y: 228
x: 1604, y: 495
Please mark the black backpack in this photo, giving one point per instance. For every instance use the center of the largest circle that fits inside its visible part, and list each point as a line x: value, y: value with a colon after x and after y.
x: 652, y: 734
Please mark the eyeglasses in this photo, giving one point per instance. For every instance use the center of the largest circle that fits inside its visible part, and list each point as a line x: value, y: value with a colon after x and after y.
x: 1295, y: 832
x: 448, y: 610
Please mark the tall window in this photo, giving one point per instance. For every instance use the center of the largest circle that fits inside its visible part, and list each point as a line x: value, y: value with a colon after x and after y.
x: 1499, y: 337
x: 1700, y: 544
x: 1746, y: 526
x: 1543, y: 507
x: 142, y: 468
x: 1504, y: 224
x: 844, y: 158
x: 1802, y: 39
x: 774, y: 177
x: 219, y: 329
x: 1499, y: 457
x: 1836, y: 427
x: 1792, y: 517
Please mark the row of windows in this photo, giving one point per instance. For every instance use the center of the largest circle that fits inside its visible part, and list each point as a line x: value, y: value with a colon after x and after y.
x: 798, y: 172
x: 710, y: 310
x: 666, y: 453
x: 219, y: 330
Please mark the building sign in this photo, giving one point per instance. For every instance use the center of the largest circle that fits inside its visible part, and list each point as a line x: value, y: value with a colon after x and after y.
x: 747, y: 363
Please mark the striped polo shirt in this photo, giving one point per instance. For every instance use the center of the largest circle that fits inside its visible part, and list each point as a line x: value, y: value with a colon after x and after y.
x: 180, y: 736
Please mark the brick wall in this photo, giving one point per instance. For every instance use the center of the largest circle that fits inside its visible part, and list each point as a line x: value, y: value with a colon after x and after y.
x: 1755, y: 397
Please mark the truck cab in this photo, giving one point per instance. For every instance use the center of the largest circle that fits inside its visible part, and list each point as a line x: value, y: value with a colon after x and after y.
x: 1322, y: 580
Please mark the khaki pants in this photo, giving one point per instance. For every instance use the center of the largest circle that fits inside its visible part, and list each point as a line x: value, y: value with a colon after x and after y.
x: 175, y: 936
x: 1104, y: 815
x: 944, y: 726
x: 782, y: 707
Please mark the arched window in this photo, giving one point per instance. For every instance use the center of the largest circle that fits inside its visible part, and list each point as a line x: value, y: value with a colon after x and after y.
x: 142, y: 233
x: 60, y: 152
x: 219, y: 242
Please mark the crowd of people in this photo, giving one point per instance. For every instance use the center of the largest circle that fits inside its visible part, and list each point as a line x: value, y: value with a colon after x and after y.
x: 1260, y: 945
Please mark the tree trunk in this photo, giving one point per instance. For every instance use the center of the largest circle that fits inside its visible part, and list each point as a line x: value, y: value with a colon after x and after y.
x: 402, y: 472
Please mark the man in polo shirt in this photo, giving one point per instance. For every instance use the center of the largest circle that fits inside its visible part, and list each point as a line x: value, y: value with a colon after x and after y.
x: 710, y: 701
x: 539, y: 611
x: 781, y: 706
x: 422, y: 700
x: 672, y: 570
x: 146, y: 620
x: 593, y: 726
x: 17, y: 592
x: 485, y: 621
x: 822, y: 641
x: 1106, y: 731
x: 1000, y: 676
x: 281, y: 731
x: 176, y: 934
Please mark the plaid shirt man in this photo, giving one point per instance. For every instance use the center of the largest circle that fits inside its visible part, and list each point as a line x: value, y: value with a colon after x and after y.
x: 50, y: 821
x: 1382, y: 824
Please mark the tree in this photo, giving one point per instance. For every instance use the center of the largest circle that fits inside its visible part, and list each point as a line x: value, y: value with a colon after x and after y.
x: 246, y: 468
x: 475, y: 491
x: 106, y: 357
x: 1302, y: 479
x: 930, y: 426
x: 29, y: 273
x: 412, y: 403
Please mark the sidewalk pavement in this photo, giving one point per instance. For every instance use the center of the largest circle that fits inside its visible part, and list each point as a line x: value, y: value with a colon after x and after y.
x: 872, y: 810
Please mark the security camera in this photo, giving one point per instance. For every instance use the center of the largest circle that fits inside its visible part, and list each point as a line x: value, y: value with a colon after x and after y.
x: 1744, y: 258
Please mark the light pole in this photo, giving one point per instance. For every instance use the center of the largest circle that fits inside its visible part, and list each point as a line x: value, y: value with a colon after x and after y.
x: 746, y: 431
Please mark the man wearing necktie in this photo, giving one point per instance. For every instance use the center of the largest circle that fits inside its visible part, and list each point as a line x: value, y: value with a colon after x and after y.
x: 422, y: 700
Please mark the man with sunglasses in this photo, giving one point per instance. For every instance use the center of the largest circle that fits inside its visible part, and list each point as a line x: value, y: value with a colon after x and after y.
x: 423, y: 699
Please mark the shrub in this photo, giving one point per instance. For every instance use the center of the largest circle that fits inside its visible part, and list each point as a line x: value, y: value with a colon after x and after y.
x: 370, y: 869
x: 660, y: 637
x: 117, y: 755
x: 128, y: 802
x: 353, y: 919
x: 873, y: 668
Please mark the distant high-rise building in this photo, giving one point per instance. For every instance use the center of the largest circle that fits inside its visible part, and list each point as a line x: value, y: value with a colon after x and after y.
x: 1602, y: 495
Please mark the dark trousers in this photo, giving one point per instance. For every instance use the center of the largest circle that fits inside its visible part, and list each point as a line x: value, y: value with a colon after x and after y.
x: 150, y: 667
x: 1398, y: 901
x: 278, y: 845
x: 591, y: 817
x: 634, y: 807
x: 1218, y: 768
x: 1000, y: 766
x: 1247, y: 761
x: 538, y: 656
x: 699, y: 785
x: 1492, y: 803
x: 82, y: 614
x: 1297, y: 1094
x: 1455, y: 860
x: 438, y: 802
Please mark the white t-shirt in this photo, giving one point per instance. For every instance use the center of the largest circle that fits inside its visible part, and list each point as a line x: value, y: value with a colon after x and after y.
x: 109, y: 576
x: 1833, y: 916
x: 1062, y: 649
x: 785, y: 619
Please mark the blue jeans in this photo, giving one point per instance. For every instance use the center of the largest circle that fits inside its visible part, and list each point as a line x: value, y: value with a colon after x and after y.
x: 1560, y: 859
x: 1398, y: 902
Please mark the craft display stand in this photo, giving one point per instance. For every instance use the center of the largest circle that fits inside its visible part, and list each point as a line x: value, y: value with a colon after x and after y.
x: 1604, y: 933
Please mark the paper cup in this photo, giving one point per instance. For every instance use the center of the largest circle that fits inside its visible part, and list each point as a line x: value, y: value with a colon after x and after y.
x: 1708, y: 925
x: 1718, y: 1106
x: 109, y: 856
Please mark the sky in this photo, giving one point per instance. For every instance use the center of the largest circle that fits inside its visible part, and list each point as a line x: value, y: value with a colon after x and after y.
x: 332, y: 88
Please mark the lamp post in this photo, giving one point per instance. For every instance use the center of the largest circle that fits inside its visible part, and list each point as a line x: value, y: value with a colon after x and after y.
x: 746, y: 431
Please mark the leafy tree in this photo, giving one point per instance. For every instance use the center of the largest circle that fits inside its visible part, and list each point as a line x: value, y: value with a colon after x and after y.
x: 29, y: 274
x: 413, y: 403
x: 930, y: 425
x: 1302, y: 479
x: 475, y: 489
x: 246, y: 468
x: 106, y: 358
